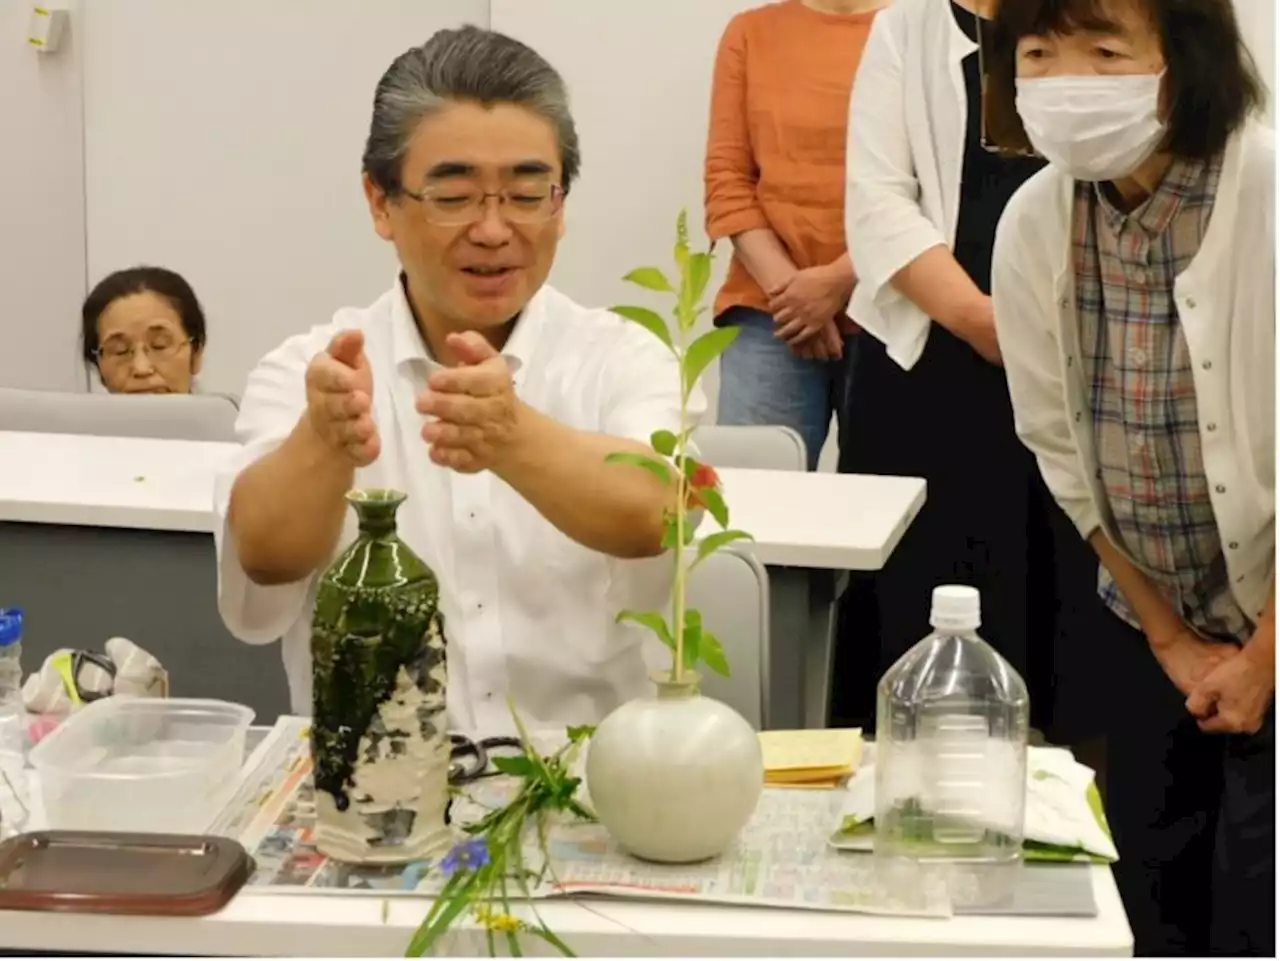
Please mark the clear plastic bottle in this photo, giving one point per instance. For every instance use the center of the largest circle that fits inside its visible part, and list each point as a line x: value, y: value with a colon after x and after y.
x: 13, y: 737
x: 951, y: 761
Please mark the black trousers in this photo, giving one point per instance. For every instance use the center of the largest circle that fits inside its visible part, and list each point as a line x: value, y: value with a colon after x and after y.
x: 1193, y: 816
x: 988, y: 521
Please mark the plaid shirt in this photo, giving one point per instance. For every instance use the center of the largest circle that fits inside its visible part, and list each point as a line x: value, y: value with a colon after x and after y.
x: 1142, y: 395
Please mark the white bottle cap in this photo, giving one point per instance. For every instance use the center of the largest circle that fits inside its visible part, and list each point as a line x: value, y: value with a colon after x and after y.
x: 956, y: 608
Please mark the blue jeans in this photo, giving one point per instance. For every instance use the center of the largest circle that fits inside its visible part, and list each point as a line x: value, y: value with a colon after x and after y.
x: 762, y: 383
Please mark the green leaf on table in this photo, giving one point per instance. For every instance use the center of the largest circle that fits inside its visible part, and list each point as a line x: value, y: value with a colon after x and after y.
x: 664, y: 442
x: 515, y: 766
x: 650, y: 278
x: 655, y: 467
x: 704, y: 350
x: 714, y: 502
x: 713, y: 542
x: 649, y: 320
x: 578, y: 810
x: 431, y: 930
x: 713, y: 654
x: 654, y: 622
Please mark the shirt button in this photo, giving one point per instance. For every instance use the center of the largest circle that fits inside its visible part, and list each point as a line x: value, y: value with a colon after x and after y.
x: 1070, y: 361
x: 1211, y: 427
x: 1064, y: 303
x: 1207, y: 365
x: 1191, y: 302
x: 1235, y: 546
x: 1137, y: 357
x: 1078, y: 416
x: 1221, y: 489
x: 1138, y: 442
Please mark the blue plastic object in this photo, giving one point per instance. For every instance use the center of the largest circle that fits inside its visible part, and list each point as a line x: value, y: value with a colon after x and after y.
x: 10, y: 625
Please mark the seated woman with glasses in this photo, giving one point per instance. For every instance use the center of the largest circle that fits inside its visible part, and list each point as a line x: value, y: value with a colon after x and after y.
x: 144, y: 332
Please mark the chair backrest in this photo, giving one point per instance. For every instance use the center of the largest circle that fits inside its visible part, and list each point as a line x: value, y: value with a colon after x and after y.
x: 761, y: 448
x: 209, y: 417
x: 731, y: 590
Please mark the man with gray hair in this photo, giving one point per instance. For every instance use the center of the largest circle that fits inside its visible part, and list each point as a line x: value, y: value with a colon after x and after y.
x: 491, y: 399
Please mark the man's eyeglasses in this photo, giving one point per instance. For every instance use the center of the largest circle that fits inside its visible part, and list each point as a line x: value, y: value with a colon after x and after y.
x: 122, y: 351
x: 460, y: 205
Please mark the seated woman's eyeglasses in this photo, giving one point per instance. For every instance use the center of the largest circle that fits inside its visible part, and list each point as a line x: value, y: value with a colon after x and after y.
x: 118, y: 350
x: 460, y: 205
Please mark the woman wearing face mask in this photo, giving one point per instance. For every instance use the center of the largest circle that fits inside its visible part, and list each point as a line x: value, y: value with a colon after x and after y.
x: 929, y: 398
x: 143, y: 331
x: 1135, y: 300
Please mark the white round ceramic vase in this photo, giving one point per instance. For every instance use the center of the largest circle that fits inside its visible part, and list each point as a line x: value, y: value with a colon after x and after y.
x: 676, y: 776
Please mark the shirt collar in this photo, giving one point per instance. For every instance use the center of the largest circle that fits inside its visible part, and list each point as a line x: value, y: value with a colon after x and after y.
x: 1155, y: 214
x: 408, y: 345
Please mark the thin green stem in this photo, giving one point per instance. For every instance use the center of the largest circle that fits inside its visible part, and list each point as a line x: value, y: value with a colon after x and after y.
x: 682, y: 497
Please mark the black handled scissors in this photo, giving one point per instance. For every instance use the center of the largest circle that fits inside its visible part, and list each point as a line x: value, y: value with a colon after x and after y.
x: 469, y: 759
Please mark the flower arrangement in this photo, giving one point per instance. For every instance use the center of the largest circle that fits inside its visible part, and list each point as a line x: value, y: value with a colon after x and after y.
x: 481, y: 869
x: 697, y: 485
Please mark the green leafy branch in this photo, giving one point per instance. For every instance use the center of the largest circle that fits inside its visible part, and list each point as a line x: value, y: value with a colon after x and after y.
x: 696, y: 485
x: 481, y: 869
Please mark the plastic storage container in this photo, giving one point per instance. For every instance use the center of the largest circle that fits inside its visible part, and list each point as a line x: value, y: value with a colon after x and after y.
x: 951, y: 761
x: 142, y: 764
x: 13, y: 715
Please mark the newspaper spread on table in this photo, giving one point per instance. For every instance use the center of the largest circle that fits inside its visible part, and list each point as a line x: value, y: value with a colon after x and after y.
x: 782, y: 858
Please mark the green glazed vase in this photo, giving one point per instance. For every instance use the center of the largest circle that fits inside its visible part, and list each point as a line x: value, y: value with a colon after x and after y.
x: 379, y: 744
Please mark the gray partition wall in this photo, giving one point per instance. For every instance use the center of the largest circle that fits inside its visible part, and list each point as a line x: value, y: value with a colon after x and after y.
x: 81, y: 586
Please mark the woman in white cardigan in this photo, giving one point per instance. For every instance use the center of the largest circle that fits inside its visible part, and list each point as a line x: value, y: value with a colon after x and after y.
x: 1135, y: 304
x: 927, y: 397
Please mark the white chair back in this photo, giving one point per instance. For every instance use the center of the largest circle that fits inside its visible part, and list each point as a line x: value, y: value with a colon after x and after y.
x: 210, y: 417
x: 754, y: 447
x: 731, y: 590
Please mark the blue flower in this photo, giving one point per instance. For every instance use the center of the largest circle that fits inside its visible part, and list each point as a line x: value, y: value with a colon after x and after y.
x: 467, y: 856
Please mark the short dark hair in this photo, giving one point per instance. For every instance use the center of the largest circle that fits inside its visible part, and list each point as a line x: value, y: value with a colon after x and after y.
x: 468, y: 64
x: 1211, y: 81
x: 139, y: 280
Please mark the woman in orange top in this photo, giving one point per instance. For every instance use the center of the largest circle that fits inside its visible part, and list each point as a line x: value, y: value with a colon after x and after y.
x: 775, y: 179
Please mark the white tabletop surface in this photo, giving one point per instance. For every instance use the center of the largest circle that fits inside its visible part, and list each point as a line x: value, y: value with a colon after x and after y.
x: 334, y: 924
x: 819, y: 520
x: 345, y: 925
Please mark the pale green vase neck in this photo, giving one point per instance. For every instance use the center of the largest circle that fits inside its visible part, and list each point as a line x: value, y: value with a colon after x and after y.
x: 669, y: 689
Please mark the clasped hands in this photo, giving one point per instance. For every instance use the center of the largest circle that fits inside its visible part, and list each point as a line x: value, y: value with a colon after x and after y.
x: 1229, y: 689
x: 472, y: 408
x: 808, y: 311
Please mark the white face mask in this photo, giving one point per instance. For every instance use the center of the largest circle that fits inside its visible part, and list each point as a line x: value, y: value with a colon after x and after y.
x: 1093, y: 128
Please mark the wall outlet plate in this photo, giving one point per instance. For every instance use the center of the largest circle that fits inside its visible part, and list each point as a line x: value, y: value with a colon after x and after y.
x: 46, y: 29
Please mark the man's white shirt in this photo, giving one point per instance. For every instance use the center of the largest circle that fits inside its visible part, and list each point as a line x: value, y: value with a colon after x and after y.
x: 528, y: 612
